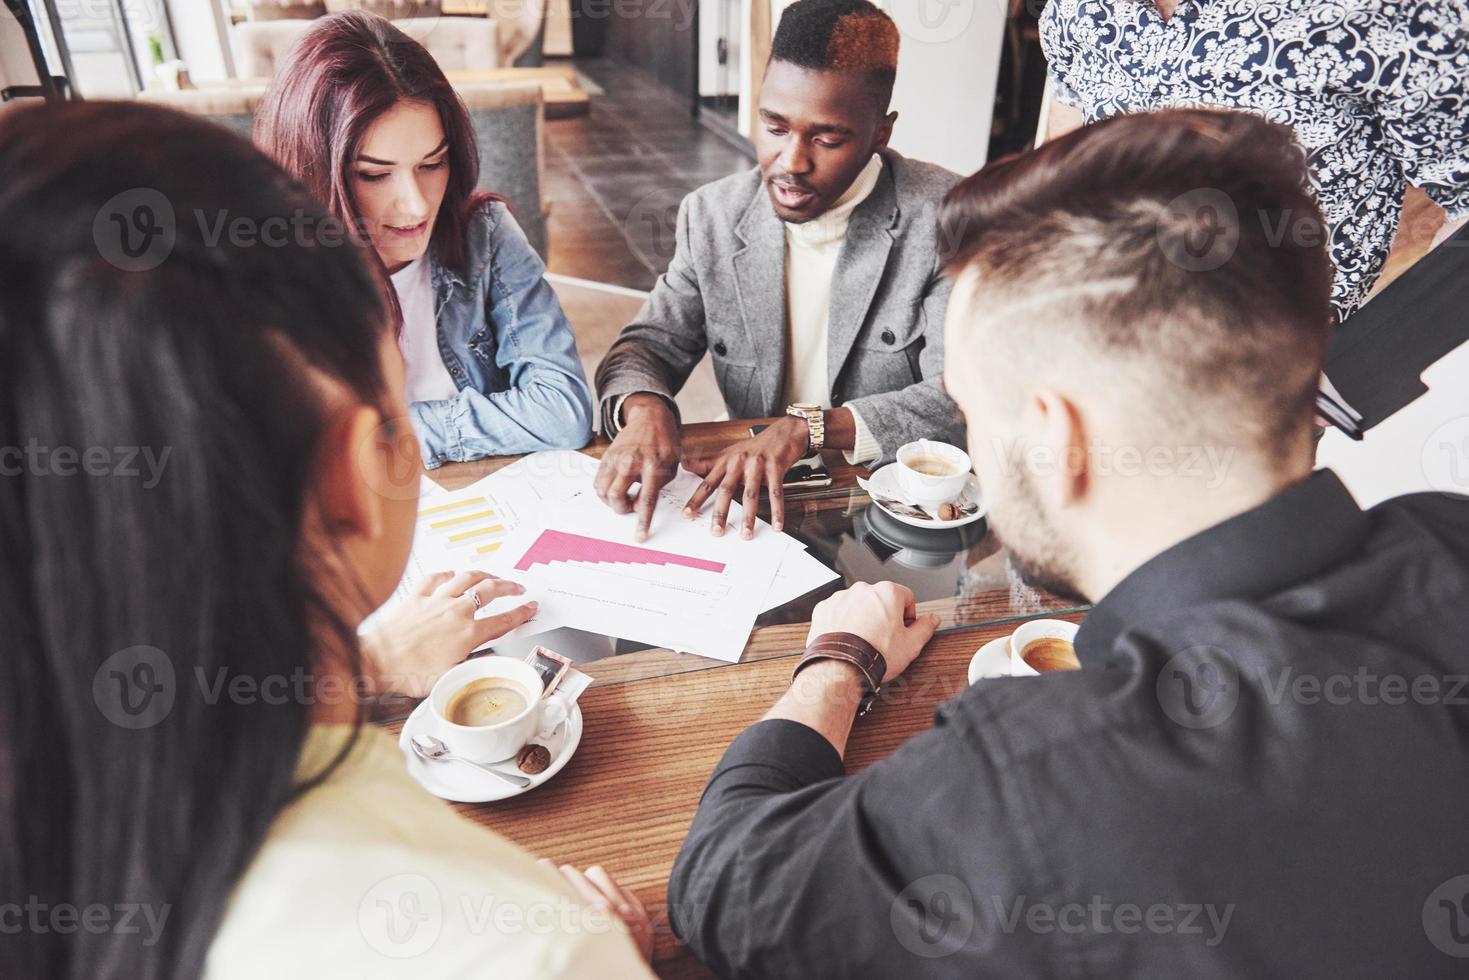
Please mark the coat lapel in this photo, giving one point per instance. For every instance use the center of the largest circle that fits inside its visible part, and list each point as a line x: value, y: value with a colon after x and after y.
x: 859, y: 269
x: 760, y: 282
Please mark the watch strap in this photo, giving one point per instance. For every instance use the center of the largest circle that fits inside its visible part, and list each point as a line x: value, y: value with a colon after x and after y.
x: 852, y: 649
x: 815, y: 423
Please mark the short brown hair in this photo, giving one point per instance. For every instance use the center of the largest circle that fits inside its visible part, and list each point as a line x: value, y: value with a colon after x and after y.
x: 1187, y: 239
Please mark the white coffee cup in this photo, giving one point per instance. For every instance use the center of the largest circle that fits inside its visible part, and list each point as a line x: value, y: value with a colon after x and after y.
x: 925, y: 488
x: 1032, y: 630
x: 493, y: 743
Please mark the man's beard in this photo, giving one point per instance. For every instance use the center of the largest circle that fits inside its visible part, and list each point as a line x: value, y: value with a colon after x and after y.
x: 1039, y: 555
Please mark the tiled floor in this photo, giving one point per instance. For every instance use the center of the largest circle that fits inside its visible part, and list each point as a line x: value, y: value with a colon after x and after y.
x: 615, y: 176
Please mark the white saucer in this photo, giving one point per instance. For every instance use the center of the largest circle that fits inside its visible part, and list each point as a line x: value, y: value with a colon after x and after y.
x: 885, y: 482
x: 461, y: 783
x: 992, y: 660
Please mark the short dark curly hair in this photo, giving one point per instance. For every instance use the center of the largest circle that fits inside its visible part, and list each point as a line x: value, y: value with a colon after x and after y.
x: 840, y: 35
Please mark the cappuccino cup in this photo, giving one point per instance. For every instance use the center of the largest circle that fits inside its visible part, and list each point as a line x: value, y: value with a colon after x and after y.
x: 932, y: 472
x: 1040, y: 646
x: 486, y: 709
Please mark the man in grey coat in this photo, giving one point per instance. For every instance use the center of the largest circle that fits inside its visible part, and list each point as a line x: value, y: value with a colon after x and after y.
x: 814, y: 281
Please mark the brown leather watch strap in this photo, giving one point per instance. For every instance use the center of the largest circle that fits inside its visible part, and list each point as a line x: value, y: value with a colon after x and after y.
x: 854, y: 650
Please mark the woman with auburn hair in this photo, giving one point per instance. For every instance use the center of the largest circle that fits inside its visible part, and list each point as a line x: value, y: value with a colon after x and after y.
x: 362, y: 115
x: 184, y: 768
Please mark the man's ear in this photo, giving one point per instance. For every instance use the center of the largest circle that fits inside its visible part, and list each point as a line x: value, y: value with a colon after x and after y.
x: 352, y: 455
x: 885, y: 131
x: 1056, y: 424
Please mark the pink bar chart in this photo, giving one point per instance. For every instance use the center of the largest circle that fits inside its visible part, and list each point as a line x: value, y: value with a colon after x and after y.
x: 558, y: 546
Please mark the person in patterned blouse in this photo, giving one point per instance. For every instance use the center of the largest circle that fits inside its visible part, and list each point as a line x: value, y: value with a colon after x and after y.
x: 1377, y: 92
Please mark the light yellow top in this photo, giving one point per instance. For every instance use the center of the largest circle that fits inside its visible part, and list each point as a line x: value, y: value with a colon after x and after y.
x: 368, y: 875
x: 812, y: 249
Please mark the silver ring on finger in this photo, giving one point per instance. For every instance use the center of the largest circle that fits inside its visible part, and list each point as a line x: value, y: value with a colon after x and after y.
x: 474, y: 597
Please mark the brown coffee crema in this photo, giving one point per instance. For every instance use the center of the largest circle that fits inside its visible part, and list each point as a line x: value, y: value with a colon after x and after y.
x: 1049, y: 653
x: 487, y: 701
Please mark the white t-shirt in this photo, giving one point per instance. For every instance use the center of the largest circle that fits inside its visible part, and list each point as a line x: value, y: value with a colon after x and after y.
x: 368, y: 876
x: 426, y: 379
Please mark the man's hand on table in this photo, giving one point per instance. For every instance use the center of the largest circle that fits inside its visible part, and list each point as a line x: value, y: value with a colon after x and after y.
x: 434, y: 629
x: 884, y: 615
x: 824, y: 696
x: 646, y: 451
x: 744, y: 468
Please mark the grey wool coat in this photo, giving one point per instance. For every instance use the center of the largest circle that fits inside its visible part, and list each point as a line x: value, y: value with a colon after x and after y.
x: 724, y: 292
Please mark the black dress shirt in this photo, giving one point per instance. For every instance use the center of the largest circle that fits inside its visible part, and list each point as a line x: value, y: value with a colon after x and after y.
x: 1262, y: 770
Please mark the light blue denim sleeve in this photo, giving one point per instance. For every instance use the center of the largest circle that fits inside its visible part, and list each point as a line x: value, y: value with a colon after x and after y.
x: 548, y: 404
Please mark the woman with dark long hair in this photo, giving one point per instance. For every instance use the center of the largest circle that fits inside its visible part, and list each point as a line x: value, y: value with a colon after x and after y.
x: 201, y: 412
x: 362, y: 115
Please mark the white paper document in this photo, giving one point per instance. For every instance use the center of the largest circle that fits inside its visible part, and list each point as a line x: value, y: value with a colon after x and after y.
x: 540, y: 523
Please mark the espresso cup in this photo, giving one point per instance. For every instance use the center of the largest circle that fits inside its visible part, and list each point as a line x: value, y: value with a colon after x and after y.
x: 929, y: 487
x: 1028, y: 633
x: 493, y: 743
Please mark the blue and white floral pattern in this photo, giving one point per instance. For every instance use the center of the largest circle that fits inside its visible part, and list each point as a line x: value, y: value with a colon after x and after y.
x: 1377, y: 92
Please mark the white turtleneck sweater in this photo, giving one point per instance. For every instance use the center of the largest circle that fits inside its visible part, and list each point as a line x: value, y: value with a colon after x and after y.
x: 812, y: 249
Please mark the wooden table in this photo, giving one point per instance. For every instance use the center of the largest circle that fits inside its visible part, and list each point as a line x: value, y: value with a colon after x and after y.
x: 656, y: 724
x: 625, y: 800
x: 831, y: 506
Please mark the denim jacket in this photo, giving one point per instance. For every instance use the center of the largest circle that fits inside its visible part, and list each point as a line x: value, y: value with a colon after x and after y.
x: 510, y: 350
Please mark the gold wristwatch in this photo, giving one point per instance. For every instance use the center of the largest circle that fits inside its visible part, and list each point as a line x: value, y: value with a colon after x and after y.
x: 815, y: 417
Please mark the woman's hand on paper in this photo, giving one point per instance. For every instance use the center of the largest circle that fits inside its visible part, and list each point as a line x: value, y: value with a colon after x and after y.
x: 436, y: 628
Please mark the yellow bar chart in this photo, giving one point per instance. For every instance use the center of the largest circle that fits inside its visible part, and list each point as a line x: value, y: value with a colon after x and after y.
x: 471, y: 524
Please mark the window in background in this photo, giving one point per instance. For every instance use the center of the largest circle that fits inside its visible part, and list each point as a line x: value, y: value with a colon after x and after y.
x: 107, y: 48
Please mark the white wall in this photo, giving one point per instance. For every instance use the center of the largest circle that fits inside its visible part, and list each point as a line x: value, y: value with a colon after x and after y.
x: 716, y: 16
x: 200, y: 32
x: 948, y: 68
x: 16, y: 67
